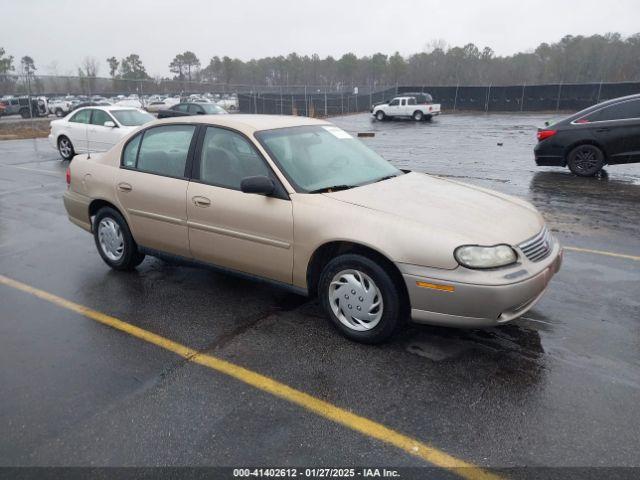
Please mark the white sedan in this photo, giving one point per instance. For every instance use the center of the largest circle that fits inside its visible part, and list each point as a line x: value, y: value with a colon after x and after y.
x: 94, y: 129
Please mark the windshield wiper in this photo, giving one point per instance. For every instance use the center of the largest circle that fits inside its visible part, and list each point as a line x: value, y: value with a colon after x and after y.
x: 333, y: 188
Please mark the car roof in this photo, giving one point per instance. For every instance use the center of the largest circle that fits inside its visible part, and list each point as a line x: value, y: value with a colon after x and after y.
x: 246, y: 123
x: 108, y: 108
x: 597, y: 106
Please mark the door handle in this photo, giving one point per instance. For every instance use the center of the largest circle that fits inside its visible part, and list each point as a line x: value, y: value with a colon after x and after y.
x: 201, y: 201
x: 124, y: 187
x: 602, y: 130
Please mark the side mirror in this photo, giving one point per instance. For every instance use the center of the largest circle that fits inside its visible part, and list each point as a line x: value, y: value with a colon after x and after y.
x: 109, y: 124
x: 259, y: 184
x: 546, y: 124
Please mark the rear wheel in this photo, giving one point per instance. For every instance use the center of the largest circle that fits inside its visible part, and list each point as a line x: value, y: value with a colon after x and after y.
x: 65, y: 148
x: 380, y: 115
x: 586, y: 160
x: 361, y: 298
x: 114, y: 241
x: 417, y: 116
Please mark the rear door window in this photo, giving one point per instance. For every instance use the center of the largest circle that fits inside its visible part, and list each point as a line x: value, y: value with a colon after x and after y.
x: 164, y: 150
x: 618, y: 111
x: 195, y: 109
x: 130, y: 153
x: 99, y: 117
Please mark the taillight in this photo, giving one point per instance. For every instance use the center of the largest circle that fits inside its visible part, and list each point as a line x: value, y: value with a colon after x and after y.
x: 542, y: 134
x: 68, y: 176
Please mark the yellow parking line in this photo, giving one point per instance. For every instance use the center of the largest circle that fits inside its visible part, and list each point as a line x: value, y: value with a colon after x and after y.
x: 320, y: 407
x: 604, y: 252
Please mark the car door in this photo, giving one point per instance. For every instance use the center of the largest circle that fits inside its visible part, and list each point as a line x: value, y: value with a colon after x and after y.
x: 151, y: 186
x: 617, y: 128
x: 100, y: 137
x: 77, y: 129
x: 241, y: 231
x: 394, y: 107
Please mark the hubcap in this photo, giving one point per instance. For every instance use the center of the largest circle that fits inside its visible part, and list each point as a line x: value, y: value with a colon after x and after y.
x: 586, y: 159
x: 65, y: 147
x: 380, y: 115
x: 110, y: 238
x: 356, y: 300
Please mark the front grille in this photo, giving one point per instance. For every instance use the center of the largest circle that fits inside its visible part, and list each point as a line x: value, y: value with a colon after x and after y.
x: 538, y: 247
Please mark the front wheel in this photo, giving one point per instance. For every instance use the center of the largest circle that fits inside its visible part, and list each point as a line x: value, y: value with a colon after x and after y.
x: 380, y: 116
x: 114, y: 241
x: 417, y: 116
x: 59, y: 112
x: 361, y: 298
x: 585, y: 160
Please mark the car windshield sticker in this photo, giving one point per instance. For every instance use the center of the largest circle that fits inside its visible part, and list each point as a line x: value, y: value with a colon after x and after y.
x: 337, y: 132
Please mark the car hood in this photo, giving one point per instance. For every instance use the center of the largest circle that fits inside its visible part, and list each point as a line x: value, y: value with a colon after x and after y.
x: 477, y: 215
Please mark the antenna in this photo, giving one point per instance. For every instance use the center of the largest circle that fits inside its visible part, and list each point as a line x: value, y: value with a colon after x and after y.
x: 86, y: 135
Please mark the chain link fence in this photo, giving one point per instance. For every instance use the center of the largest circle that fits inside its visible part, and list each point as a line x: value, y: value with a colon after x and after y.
x: 317, y: 101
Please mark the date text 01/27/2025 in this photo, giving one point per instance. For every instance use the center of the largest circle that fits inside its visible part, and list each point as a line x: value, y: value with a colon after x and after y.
x: 314, y: 473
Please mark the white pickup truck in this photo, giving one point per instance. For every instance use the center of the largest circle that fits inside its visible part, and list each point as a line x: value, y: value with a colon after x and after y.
x: 417, y: 107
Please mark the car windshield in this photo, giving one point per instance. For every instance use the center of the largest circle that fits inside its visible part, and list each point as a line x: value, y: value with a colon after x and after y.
x: 212, y: 108
x: 323, y: 156
x: 132, y: 118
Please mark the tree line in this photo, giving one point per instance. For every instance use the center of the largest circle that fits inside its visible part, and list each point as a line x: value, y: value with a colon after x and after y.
x: 573, y: 59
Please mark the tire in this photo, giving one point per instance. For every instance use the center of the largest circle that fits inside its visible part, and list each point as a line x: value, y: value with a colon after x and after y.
x: 375, y: 291
x: 380, y: 116
x: 24, y: 113
x: 114, y: 241
x: 65, y: 148
x: 417, y: 116
x: 59, y: 112
x: 585, y: 160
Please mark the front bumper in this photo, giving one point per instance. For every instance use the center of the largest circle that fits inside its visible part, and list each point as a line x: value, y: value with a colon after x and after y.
x: 473, y: 301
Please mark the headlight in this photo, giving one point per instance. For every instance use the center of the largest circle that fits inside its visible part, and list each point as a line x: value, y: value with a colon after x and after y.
x: 476, y: 256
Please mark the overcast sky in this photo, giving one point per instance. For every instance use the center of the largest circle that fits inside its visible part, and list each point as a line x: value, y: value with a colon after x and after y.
x: 59, y: 34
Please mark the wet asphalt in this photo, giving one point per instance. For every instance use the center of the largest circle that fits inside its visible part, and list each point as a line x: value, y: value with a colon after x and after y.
x: 559, y: 387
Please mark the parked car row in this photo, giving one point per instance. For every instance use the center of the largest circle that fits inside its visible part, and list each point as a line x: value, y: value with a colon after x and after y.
x: 62, y: 106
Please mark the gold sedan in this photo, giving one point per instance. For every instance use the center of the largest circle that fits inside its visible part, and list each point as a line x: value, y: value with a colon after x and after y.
x: 303, y: 204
